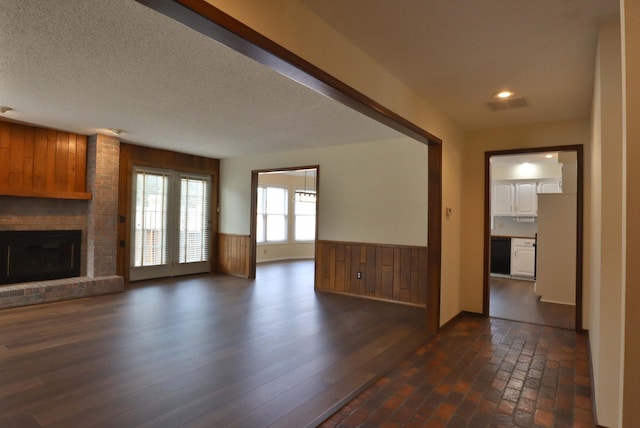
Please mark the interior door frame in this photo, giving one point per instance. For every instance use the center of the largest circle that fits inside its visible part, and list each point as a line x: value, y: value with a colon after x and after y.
x: 207, y: 19
x: 579, y: 149
x: 253, y: 245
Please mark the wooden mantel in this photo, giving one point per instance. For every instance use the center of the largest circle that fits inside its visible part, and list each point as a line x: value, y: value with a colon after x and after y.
x: 42, y: 163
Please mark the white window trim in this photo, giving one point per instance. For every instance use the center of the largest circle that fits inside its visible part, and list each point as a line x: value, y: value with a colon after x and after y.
x: 264, y: 217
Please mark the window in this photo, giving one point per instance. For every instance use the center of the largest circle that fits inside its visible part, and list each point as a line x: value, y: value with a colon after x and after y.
x: 194, y: 220
x: 305, y: 216
x: 272, y: 214
x: 150, y: 232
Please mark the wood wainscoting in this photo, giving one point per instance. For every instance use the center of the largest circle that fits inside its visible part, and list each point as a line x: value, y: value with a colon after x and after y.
x: 233, y: 254
x: 390, y: 272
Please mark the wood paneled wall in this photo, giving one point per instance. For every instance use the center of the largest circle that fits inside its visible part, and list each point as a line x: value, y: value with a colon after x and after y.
x: 390, y: 272
x: 233, y: 254
x: 40, y: 162
x: 132, y: 155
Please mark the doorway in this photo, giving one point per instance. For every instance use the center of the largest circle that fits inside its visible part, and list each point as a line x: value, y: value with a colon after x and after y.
x: 533, y: 236
x: 170, y: 231
x: 285, y: 215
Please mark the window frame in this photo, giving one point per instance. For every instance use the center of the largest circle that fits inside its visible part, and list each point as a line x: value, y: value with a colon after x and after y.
x: 262, y: 215
x: 296, y: 215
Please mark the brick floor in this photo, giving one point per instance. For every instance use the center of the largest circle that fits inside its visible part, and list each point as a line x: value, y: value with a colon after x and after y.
x: 482, y: 372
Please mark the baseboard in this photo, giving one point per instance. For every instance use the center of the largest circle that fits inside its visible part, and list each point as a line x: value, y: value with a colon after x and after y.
x: 361, y: 296
x: 283, y: 259
x: 593, y: 389
x: 460, y: 315
x: 557, y: 303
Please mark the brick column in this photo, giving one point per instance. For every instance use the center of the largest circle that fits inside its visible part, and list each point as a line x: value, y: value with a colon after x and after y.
x: 102, y: 213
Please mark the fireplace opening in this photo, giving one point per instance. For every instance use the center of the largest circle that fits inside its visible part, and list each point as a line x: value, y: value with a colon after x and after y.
x: 39, y: 255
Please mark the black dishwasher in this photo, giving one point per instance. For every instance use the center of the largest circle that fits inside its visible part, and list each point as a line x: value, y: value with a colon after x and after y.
x: 501, y: 255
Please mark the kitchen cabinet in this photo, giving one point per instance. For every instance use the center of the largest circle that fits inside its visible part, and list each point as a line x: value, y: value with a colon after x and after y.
x: 526, y: 198
x: 523, y: 257
x: 502, y: 199
x: 514, y: 199
x: 550, y: 186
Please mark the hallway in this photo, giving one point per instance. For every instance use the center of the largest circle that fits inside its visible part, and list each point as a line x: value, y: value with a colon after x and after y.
x: 482, y: 372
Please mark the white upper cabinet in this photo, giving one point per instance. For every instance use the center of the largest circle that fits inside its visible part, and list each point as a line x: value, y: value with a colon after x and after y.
x: 502, y: 199
x: 550, y: 186
x: 520, y: 198
x: 526, y: 198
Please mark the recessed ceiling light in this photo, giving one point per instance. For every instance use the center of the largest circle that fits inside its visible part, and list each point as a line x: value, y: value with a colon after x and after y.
x: 4, y: 109
x: 115, y: 131
x: 503, y: 94
x: 548, y: 156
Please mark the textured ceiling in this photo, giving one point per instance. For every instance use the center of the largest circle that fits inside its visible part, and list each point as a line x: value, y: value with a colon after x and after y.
x: 457, y: 54
x: 85, y: 66
x: 88, y: 66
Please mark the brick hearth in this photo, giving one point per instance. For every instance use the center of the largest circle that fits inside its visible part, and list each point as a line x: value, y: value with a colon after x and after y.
x: 31, y: 293
x: 97, y: 218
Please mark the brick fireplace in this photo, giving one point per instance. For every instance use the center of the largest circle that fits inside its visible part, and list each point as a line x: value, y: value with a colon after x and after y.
x: 96, y: 218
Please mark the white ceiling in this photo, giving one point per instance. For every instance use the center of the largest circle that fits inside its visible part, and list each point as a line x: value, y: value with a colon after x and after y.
x: 85, y: 66
x: 537, y: 158
x: 457, y: 54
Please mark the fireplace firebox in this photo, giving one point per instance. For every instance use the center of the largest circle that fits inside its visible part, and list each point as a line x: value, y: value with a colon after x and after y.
x: 38, y: 255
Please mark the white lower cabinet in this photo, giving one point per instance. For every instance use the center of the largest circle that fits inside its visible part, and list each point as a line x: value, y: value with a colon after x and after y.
x: 523, y: 257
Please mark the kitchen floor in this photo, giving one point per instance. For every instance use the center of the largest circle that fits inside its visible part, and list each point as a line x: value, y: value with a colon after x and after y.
x: 515, y: 300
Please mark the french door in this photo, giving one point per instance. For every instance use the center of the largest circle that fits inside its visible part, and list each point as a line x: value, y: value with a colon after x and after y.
x: 171, y: 225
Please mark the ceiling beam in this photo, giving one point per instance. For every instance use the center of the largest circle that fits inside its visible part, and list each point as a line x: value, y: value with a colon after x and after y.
x: 212, y: 22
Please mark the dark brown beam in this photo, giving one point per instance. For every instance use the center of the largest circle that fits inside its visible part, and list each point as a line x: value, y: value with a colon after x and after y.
x: 212, y: 22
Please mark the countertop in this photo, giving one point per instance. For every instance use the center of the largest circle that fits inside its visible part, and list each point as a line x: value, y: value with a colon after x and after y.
x: 512, y: 236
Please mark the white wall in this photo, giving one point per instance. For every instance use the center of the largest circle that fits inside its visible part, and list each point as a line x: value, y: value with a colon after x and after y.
x: 556, y: 251
x: 559, y: 133
x: 607, y: 181
x: 510, y: 226
x: 631, y: 155
x: 530, y: 171
x: 368, y: 192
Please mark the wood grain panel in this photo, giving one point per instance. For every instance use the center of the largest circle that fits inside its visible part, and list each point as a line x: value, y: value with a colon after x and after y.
x: 233, y: 254
x: 27, y: 179
x: 5, y: 154
x: 389, y: 272
x: 62, y: 154
x: 71, y: 164
x: 37, y: 162
x: 81, y: 161
x: 50, y: 170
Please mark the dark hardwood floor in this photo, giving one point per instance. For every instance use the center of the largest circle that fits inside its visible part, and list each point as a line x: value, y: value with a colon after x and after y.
x: 515, y: 300
x: 199, y: 351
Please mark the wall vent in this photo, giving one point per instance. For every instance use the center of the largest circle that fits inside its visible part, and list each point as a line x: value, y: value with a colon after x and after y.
x: 508, y: 104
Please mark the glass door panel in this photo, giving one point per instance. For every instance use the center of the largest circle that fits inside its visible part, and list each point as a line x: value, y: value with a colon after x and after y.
x: 171, y: 224
x: 151, y: 217
x: 194, y: 225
